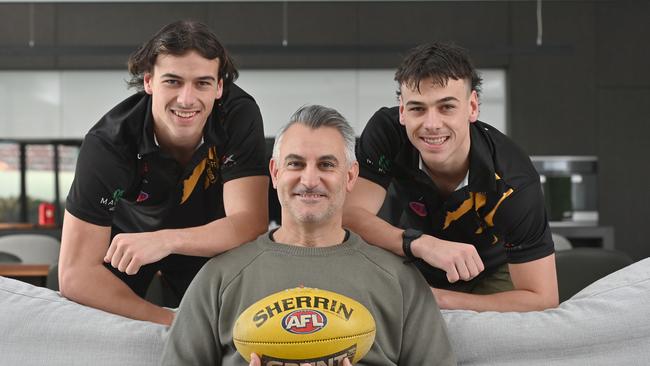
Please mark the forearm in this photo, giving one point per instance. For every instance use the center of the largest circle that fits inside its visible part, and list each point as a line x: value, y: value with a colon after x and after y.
x: 84, y: 279
x: 373, y: 229
x: 217, y: 236
x: 113, y: 296
x: 515, y: 300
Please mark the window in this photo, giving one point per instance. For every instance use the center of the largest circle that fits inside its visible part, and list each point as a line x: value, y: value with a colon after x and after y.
x: 40, y: 180
x: 67, y: 163
x: 10, y: 182
x: 35, y: 173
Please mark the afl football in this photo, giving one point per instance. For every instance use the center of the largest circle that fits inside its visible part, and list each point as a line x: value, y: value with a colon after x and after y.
x: 304, y: 325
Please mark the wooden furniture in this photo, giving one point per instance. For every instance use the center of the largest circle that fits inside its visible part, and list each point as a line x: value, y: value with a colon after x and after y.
x: 24, y: 270
x: 25, y: 226
x: 35, y: 274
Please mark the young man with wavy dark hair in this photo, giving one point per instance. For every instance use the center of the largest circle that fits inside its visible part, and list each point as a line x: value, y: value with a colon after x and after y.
x: 465, y: 202
x: 169, y: 177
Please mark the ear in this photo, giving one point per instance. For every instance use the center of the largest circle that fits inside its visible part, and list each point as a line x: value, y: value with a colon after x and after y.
x: 148, y: 80
x: 273, y: 169
x: 473, y: 107
x: 401, y: 111
x: 353, y: 174
x: 219, y: 89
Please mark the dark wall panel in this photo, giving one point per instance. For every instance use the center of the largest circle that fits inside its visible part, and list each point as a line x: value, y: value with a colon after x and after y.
x: 411, y: 23
x: 247, y: 24
x: 624, y: 175
x: 16, y: 26
x: 318, y: 35
x: 623, y: 79
x: 118, y: 24
x: 103, y: 35
x: 321, y: 23
x: 623, y: 51
x: 552, y: 87
x: 20, y: 23
x: 481, y: 27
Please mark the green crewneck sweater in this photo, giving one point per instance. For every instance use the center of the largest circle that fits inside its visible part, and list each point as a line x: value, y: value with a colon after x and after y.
x: 410, y: 328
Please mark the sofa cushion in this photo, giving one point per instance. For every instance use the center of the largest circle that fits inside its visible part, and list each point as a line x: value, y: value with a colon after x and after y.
x: 39, y: 327
x: 607, y: 323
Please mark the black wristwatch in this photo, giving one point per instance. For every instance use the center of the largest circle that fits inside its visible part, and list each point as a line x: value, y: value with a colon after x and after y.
x: 407, y: 238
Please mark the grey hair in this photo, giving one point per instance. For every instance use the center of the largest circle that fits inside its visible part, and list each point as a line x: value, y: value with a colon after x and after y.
x: 317, y: 116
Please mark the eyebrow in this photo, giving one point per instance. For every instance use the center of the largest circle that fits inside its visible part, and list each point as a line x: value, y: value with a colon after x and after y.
x: 414, y: 103
x: 298, y: 157
x: 174, y: 76
x: 293, y: 157
x: 329, y: 157
x: 447, y: 99
x: 442, y: 100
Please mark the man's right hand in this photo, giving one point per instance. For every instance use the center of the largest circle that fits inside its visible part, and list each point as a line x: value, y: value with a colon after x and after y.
x: 460, y: 261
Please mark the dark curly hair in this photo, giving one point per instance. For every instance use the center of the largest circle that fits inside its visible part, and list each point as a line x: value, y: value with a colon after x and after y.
x: 438, y: 61
x: 177, y: 39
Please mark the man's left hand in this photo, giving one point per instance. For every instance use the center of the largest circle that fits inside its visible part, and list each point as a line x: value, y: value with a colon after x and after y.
x: 129, y: 252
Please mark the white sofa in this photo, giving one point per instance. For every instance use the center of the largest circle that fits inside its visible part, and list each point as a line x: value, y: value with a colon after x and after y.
x: 607, y: 323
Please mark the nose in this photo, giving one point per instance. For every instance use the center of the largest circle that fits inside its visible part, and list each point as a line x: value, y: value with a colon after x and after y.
x: 310, y: 177
x: 432, y: 120
x: 186, y: 96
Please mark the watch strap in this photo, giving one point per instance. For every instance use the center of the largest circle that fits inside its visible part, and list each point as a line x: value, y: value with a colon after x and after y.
x: 407, y: 238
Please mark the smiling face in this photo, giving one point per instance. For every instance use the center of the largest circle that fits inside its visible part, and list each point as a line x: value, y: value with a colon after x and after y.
x: 437, y: 121
x: 183, y: 90
x: 312, y: 175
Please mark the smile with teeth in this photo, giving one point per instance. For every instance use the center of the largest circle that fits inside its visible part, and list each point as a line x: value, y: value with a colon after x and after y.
x: 435, y: 140
x: 310, y: 195
x: 184, y: 114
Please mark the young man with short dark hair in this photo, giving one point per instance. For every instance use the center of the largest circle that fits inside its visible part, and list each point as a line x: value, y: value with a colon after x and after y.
x: 466, y: 201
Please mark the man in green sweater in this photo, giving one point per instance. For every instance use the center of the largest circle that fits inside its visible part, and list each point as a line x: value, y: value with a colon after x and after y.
x: 313, y: 168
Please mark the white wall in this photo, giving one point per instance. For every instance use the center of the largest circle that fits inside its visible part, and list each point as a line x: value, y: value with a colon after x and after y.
x: 47, y: 104
x: 356, y: 94
x: 52, y: 104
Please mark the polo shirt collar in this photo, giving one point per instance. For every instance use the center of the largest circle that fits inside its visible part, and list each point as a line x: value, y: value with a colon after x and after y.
x: 462, y: 184
x: 147, y: 140
x: 481, y: 166
x: 155, y: 139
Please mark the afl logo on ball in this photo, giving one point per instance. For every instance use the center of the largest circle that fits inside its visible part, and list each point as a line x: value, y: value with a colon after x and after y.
x: 304, y: 321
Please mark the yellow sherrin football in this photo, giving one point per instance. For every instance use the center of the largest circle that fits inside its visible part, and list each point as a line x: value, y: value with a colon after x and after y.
x: 305, y: 325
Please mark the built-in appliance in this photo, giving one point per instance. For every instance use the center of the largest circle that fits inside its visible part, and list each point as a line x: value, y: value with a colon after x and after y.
x: 570, y: 185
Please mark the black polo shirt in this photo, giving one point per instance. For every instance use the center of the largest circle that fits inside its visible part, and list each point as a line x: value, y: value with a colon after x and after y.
x: 501, y: 210
x: 124, y: 180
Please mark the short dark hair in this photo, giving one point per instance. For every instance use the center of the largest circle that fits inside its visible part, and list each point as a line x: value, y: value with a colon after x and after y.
x: 438, y: 61
x: 178, y: 38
